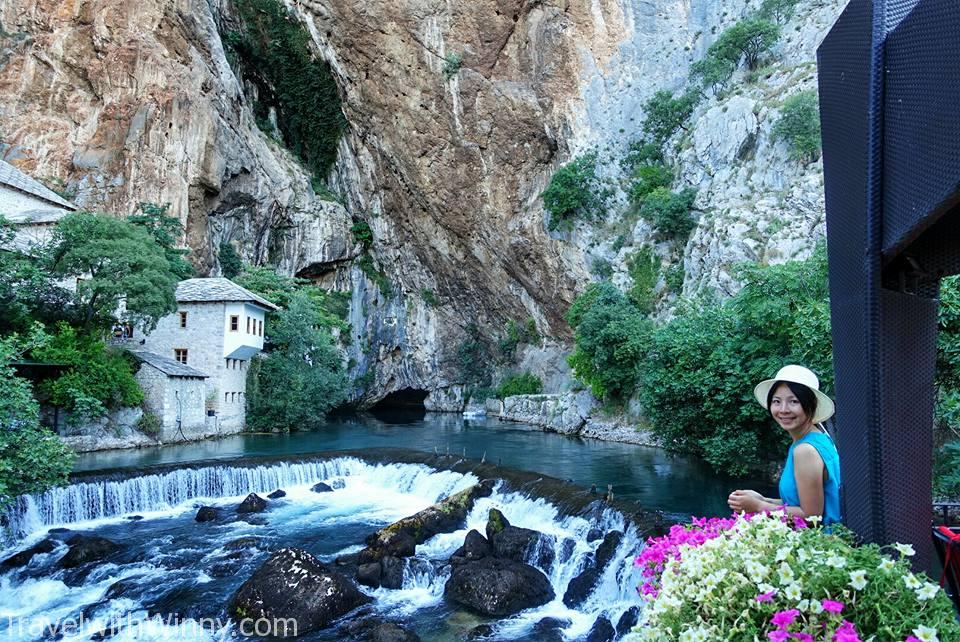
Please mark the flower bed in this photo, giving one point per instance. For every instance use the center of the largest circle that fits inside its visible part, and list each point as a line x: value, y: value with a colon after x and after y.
x: 769, y: 577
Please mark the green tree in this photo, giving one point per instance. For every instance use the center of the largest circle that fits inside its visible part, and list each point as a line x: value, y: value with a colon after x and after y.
x: 330, y: 308
x: 696, y: 378
x: 32, y: 459
x: 230, y: 263
x: 116, y: 260
x: 302, y: 379
x: 644, y: 270
x: 611, y: 338
x: 666, y: 113
x: 780, y: 11
x: 97, y: 378
x: 574, y: 193
x: 670, y: 213
x: 166, y: 231
x: 26, y: 289
x: 747, y: 40
x: 713, y: 72
x: 799, y: 126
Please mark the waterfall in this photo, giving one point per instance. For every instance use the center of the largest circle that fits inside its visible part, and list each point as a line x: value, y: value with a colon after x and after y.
x: 88, y: 501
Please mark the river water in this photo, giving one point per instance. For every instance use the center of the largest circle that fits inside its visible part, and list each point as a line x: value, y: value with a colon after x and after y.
x: 173, y: 577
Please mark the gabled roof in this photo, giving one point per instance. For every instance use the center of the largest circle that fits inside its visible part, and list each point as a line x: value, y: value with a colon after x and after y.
x: 36, y: 217
x: 167, y: 366
x: 217, y: 289
x: 12, y: 177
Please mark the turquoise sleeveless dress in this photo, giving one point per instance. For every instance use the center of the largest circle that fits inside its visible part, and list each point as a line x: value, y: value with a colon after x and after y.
x: 831, y: 488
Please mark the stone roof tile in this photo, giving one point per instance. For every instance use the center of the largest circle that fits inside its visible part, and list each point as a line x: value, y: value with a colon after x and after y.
x: 217, y: 289
x: 168, y: 366
x: 13, y: 177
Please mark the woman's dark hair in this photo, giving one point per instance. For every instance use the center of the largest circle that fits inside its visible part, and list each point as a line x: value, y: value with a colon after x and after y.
x: 808, y: 400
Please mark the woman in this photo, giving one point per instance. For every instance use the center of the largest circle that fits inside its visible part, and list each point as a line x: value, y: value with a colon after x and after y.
x: 810, y: 484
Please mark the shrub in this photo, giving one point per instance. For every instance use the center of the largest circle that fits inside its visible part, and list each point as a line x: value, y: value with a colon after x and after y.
x: 97, y: 378
x: 521, y: 384
x: 666, y: 113
x: 150, y: 424
x: 601, y: 268
x: 772, y: 578
x: 799, y: 126
x: 451, y: 65
x: 32, y: 459
x: 644, y: 270
x: 695, y: 379
x: 670, y: 212
x: 372, y: 272
x: 674, y: 276
x: 574, y: 193
x: 713, y: 72
x: 429, y: 298
x: 473, y: 358
x: 611, y: 338
x: 362, y: 234
x: 517, y: 334
x: 647, y: 178
x: 642, y: 152
x: 230, y: 263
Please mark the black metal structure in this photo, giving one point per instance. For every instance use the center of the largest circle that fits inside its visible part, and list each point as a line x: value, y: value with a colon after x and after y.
x: 889, y: 76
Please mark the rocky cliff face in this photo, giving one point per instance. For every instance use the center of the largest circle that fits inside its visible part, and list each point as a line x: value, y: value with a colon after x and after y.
x: 458, y: 112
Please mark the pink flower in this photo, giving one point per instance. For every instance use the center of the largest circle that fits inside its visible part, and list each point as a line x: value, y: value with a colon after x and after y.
x: 831, y: 607
x: 783, y: 619
x: 765, y: 597
x: 803, y: 637
x: 847, y: 632
x: 910, y: 638
x: 780, y: 635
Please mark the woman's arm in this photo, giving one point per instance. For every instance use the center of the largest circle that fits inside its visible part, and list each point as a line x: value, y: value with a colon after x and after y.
x: 751, y: 501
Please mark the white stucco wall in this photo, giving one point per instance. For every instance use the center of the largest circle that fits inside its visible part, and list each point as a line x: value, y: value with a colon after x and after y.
x: 241, y: 344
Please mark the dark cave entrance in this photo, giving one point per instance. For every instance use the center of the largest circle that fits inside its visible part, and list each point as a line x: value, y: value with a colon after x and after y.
x: 401, y: 406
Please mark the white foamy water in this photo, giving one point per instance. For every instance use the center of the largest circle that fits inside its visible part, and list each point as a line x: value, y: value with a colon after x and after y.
x: 366, y: 494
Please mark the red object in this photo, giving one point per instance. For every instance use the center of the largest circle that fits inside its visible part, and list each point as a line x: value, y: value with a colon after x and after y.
x: 953, y: 541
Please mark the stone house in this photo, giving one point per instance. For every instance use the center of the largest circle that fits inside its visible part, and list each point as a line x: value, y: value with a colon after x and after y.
x: 217, y: 328
x: 32, y: 208
x: 175, y: 393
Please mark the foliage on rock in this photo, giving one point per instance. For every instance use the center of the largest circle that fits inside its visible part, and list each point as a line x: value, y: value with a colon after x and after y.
x: 670, y: 213
x: 520, y: 384
x: 799, y: 126
x: 574, y: 193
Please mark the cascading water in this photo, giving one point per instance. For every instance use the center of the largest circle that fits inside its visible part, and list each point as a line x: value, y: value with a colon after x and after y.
x: 174, y: 565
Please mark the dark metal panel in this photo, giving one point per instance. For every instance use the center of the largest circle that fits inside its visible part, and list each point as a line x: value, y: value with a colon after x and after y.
x: 908, y: 350
x: 921, y: 158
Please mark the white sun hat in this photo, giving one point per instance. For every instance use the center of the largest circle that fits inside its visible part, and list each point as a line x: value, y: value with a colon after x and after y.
x: 803, y: 376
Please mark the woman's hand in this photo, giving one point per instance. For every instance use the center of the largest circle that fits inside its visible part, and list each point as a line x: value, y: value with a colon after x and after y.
x: 749, y: 501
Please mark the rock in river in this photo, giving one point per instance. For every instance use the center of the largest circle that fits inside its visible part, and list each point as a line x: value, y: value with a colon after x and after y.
x: 296, y: 593
x: 87, y: 548
x: 497, y: 586
x: 253, y: 503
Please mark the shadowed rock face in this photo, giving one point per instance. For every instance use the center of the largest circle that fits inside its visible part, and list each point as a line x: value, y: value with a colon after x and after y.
x: 500, y: 587
x: 294, y: 588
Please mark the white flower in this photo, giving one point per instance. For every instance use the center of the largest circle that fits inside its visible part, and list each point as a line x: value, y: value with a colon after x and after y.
x: 816, y: 607
x: 698, y: 634
x: 782, y: 553
x: 905, y: 549
x: 927, y: 592
x: 803, y: 555
x: 886, y: 564
x: 803, y: 605
x: 926, y: 634
x: 786, y: 574
x: 793, y: 592
x: 814, y: 520
x: 836, y: 561
x: 911, y: 581
x: 858, y: 580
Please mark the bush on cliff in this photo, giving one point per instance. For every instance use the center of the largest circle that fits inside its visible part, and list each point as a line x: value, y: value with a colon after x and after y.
x: 520, y: 384
x: 574, y: 193
x: 799, y: 126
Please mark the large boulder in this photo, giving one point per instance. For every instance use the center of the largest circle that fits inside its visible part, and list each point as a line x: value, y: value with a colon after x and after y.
x: 375, y: 630
x: 524, y: 545
x: 443, y: 517
x: 498, y: 587
x: 496, y: 522
x: 295, y: 593
x: 602, y: 631
x: 583, y: 584
x: 320, y: 487
x: 628, y: 620
x: 207, y: 514
x: 475, y: 547
x: 23, y: 557
x: 252, y: 503
x: 87, y: 548
x: 392, y: 574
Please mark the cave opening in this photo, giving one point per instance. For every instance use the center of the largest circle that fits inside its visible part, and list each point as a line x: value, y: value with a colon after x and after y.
x: 401, y: 406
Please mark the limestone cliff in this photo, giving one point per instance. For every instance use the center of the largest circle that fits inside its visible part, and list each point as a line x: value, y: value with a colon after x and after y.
x: 458, y: 113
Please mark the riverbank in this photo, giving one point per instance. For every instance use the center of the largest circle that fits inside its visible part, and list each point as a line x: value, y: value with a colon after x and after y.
x: 571, y: 413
